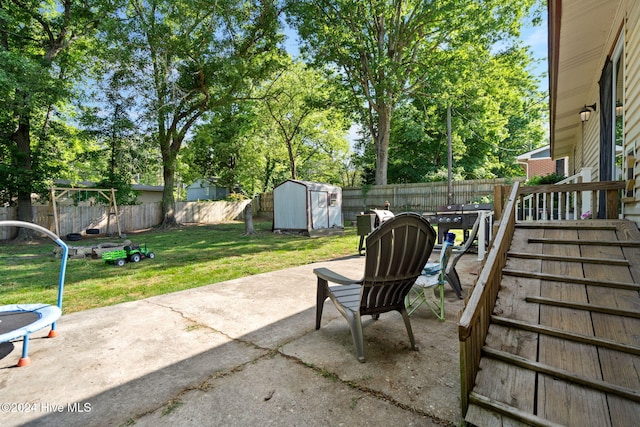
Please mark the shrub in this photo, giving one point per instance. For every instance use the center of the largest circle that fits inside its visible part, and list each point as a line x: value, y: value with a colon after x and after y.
x: 235, y: 197
x: 552, y: 178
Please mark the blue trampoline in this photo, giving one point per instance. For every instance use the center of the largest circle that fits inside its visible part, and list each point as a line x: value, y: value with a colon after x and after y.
x: 21, y: 320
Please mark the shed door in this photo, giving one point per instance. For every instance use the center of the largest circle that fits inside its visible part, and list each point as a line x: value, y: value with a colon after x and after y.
x: 319, y: 210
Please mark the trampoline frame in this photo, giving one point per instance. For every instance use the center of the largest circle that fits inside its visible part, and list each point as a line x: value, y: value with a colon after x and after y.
x: 47, y: 314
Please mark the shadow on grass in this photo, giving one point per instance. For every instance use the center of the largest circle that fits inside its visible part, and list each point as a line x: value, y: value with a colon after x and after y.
x: 186, y: 257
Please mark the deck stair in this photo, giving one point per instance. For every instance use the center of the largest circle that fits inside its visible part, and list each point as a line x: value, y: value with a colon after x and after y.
x: 563, y: 343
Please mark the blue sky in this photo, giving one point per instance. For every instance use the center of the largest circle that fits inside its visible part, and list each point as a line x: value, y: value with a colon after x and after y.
x: 536, y: 39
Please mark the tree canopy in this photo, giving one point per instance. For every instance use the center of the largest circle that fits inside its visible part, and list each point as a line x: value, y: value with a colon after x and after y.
x: 387, y: 51
x: 42, y: 46
x: 157, y: 91
x: 291, y: 125
x: 497, y: 114
x: 189, y: 57
x: 298, y: 104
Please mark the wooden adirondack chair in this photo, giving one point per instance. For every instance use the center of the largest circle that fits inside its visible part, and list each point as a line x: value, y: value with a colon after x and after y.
x: 396, y: 254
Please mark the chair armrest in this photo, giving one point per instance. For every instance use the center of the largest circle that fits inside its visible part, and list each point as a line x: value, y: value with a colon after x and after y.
x: 330, y: 276
x: 461, y: 250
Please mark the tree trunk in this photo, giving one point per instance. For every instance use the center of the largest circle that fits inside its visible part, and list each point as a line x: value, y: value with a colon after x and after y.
x: 382, y: 145
x: 292, y: 160
x: 248, y: 219
x: 168, y: 200
x: 22, y: 138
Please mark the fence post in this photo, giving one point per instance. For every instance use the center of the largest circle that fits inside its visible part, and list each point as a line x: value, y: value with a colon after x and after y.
x: 498, y: 198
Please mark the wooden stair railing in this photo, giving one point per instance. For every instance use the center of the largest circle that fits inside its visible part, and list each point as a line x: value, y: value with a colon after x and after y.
x: 568, y: 201
x: 476, y: 317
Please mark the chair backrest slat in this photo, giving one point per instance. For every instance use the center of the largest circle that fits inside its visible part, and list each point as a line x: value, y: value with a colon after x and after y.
x: 396, y: 254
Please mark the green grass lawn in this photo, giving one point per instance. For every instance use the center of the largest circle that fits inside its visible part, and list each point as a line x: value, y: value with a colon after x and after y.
x: 186, y: 257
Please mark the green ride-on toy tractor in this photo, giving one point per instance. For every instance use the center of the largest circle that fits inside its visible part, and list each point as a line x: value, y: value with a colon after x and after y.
x: 134, y: 253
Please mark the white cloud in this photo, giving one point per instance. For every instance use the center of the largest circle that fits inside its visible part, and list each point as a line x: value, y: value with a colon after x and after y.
x: 537, y: 39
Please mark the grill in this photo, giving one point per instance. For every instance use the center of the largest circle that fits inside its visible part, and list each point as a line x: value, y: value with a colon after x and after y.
x: 366, y: 223
x: 456, y: 217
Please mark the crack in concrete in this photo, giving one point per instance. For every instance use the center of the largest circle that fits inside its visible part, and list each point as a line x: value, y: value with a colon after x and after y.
x: 368, y: 391
x: 206, y: 384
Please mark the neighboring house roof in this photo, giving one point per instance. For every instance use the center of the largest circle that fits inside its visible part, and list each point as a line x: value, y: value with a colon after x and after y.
x: 143, y: 187
x: 538, y: 153
x: 87, y: 184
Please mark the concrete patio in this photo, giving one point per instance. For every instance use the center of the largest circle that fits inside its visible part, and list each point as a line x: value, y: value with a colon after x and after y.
x: 242, y: 352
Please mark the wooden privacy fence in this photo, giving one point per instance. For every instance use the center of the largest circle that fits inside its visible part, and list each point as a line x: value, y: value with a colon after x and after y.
x: 422, y: 197
x: 77, y: 219
x: 209, y: 212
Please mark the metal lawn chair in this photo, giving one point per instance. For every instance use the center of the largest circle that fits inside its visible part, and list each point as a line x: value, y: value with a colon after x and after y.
x: 396, y: 253
x: 435, y: 275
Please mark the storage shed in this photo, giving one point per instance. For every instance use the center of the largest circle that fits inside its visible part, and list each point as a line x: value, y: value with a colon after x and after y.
x: 308, y: 207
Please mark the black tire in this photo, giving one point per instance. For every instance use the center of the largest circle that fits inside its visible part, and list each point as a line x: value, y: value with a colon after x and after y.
x: 73, y: 237
x: 120, y: 262
x: 135, y: 258
x: 93, y: 231
x: 151, y: 255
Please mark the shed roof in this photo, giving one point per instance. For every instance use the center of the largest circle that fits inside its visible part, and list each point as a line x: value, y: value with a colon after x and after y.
x: 317, y: 186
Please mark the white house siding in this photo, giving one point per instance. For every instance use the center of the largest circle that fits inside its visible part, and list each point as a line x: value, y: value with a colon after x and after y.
x: 592, y: 150
x: 624, y: 23
x: 632, y: 100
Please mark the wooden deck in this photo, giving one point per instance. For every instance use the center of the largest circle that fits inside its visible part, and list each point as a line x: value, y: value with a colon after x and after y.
x: 563, y: 346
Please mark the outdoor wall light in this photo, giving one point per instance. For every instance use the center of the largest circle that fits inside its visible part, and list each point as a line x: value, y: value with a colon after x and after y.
x: 586, y: 112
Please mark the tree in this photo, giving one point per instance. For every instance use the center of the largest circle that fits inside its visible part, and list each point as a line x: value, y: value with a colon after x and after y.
x: 41, y: 46
x: 289, y: 130
x: 232, y: 146
x: 121, y: 154
x: 496, y: 114
x: 299, y: 104
x: 387, y: 51
x: 189, y: 57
